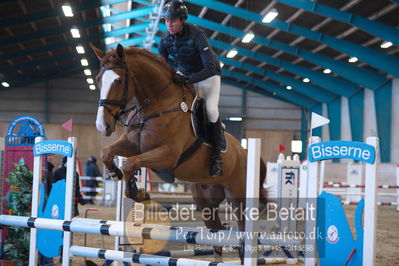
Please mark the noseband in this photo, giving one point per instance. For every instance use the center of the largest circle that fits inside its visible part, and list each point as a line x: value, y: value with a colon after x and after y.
x: 120, y: 104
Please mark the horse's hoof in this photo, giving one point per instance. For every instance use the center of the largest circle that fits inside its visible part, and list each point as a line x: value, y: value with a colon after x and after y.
x: 116, y: 174
x: 131, y: 190
x: 142, y: 195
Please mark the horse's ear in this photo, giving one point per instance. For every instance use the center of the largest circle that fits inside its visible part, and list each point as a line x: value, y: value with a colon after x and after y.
x: 100, y: 54
x: 120, y: 51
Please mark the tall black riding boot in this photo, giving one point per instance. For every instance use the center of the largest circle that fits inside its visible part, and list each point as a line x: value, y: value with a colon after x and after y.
x: 216, y: 164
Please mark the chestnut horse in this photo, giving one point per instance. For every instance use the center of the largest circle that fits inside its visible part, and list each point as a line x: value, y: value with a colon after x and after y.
x: 158, y: 131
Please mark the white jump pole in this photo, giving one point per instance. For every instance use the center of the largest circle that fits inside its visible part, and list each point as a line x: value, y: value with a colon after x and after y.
x: 140, y: 258
x: 69, y: 196
x: 37, y: 172
x: 252, y: 201
x: 397, y: 183
x: 123, y: 229
x: 311, y: 199
x: 370, y: 211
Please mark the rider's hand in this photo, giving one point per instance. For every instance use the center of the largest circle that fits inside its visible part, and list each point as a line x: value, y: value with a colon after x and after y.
x: 180, y: 79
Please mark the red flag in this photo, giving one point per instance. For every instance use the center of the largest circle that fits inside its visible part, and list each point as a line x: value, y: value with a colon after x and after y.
x: 281, y: 148
x: 68, y: 125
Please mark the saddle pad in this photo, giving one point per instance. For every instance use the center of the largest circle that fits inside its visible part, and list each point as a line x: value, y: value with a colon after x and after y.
x: 199, y: 122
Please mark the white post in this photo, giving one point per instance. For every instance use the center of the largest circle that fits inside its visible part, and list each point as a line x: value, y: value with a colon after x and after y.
x: 370, y: 209
x: 252, y: 202
x: 280, y: 160
x: 118, y: 217
x: 37, y: 173
x: 271, y: 180
x: 354, y: 176
x: 321, y: 175
x: 69, y: 198
x: 311, y: 201
x: 397, y: 190
x: 119, y: 205
x: 303, y: 183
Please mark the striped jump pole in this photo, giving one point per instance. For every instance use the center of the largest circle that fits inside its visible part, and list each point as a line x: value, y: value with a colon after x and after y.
x: 185, y: 253
x: 139, y: 258
x: 199, y: 236
x: 156, y: 259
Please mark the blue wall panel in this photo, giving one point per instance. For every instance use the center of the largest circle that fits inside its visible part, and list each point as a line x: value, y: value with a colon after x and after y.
x: 356, y: 114
x: 383, y: 108
x: 334, y: 114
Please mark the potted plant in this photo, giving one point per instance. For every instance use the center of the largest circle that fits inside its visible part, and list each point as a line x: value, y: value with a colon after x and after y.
x: 18, y: 202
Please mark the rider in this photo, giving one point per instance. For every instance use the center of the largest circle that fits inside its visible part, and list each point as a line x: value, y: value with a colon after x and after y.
x: 197, y: 63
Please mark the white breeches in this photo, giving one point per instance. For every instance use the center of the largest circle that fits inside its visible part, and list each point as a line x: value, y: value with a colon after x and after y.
x: 211, y: 88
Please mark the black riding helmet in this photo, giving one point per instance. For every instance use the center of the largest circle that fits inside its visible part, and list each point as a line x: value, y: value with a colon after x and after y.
x: 175, y: 9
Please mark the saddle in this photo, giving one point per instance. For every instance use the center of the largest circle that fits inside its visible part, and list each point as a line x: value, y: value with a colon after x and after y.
x: 200, y: 124
x: 201, y: 128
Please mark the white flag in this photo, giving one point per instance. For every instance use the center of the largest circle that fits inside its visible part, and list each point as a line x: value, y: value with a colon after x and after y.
x: 318, y: 120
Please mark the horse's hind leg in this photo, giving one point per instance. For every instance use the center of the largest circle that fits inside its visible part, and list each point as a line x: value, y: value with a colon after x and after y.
x: 208, y: 200
x: 236, y: 197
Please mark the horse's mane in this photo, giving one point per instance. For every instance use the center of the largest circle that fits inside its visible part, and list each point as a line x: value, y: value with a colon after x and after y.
x: 148, y: 54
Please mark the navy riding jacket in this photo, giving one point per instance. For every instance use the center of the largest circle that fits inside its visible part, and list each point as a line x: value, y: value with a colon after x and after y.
x: 192, y: 52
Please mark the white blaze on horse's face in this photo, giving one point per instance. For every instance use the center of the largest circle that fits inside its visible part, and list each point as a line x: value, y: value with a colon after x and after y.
x: 108, y: 78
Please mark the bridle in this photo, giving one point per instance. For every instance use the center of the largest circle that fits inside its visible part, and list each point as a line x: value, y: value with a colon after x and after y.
x: 121, y: 104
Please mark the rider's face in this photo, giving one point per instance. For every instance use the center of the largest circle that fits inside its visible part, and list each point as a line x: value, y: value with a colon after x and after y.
x: 174, y: 25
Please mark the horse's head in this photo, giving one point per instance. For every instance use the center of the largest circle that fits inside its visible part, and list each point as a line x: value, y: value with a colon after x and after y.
x: 113, y: 81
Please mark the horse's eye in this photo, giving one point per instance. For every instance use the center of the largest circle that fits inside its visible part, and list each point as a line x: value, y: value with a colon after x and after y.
x: 117, y: 81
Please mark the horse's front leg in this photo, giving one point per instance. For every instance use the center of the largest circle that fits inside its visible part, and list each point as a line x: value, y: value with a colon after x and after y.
x: 122, y: 147
x: 158, y: 158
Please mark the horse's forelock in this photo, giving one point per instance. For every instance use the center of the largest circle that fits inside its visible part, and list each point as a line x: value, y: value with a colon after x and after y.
x: 112, y: 59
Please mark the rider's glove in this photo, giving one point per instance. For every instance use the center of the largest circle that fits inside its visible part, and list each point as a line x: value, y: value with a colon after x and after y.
x: 180, y: 79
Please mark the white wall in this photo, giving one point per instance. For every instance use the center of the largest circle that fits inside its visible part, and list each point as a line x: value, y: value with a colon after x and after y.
x: 262, y: 112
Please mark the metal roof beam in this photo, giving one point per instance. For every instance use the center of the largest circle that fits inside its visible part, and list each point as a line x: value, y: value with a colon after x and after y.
x: 143, y: 2
x: 375, y: 28
x: 90, y: 23
x: 365, y: 77
x: 294, y: 98
x: 54, y: 12
x: 56, y: 58
x: 380, y: 60
x: 251, y: 89
x: 333, y: 84
x: 21, y: 83
x: 312, y: 91
x: 270, y: 88
x: 128, y: 42
x: 126, y: 30
x: 24, y: 82
x: 72, y: 42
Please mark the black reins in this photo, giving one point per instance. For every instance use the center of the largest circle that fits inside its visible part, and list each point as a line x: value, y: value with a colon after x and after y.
x: 140, y: 125
x: 121, y: 104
